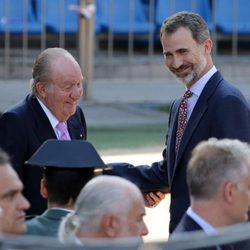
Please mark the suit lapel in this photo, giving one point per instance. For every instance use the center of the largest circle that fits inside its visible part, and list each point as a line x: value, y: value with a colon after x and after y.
x: 171, y: 139
x: 42, y: 126
x: 197, y: 114
x: 199, y: 110
x: 189, y: 224
x: 76, y: 131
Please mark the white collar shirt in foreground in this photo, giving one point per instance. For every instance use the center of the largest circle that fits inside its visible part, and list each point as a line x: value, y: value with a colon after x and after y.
x: 209, y: 229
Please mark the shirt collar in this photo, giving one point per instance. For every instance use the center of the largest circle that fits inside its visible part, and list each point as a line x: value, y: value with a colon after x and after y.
x: 209, y: 229
x: 78, y: 242
x: 63, y: 209
x: 200, y: 84
x: 53, y: 120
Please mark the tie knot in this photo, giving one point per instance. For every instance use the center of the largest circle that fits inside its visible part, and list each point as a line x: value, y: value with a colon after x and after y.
x: 188, y: 94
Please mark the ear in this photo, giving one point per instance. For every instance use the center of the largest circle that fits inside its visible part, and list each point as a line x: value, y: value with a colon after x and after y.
x: 40, y: 88
x: 208, y: 44
x: 229, y: 192
x: 110, y: 225
x: 43, y: 189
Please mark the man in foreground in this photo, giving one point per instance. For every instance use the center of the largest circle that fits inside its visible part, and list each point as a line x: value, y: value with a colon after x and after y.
x: 67, y: 167
x: 218, y: 178
x: 107, y: 207
x: 210, y: 107
x: 12, y: 203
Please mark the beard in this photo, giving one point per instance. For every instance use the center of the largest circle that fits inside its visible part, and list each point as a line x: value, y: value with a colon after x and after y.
x: 189, y: 78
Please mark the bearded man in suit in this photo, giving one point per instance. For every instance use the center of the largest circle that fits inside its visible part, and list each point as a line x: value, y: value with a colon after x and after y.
x: 213, y: 108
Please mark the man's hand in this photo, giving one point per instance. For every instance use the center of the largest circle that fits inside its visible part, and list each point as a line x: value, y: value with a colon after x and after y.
x: 152, y: 199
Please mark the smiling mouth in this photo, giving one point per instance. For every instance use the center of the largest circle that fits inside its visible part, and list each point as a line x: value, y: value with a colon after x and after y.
x: 182, y: 72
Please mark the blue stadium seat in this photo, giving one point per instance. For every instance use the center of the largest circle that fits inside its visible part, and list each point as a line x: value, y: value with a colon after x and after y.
x: 97, y: 26
x: 2, y: 16
x: 118, y: 16
x: 15, y: 19
x: 55, y: 16
x: 224, y: 11
x: 165, y: 8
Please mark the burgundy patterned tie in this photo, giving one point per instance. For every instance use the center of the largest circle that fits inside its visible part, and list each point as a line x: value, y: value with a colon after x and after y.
x: 64, y: 133
x: 182, y: 119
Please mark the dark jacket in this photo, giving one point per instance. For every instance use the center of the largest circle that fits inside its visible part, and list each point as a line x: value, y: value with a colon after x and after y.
x: 23, y: 129
x: 187, y: 224
x: 222, y: 112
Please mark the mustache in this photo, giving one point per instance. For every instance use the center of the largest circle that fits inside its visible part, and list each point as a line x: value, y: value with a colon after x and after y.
x: 181, y: 68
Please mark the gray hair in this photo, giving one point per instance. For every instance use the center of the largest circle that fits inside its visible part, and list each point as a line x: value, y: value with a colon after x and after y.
x: 192, y: 21
x: 214, y: 162
x: 101, y: 195
x: 42, y: 69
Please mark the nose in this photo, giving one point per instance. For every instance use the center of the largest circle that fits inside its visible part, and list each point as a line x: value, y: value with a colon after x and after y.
x: 23, y: 203
x: 176, y: 62
x: 144, y: 230
x: 77, y: 92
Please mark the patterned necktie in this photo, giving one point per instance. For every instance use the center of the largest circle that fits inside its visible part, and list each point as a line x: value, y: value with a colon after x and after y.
x: 182, y: 119
x: 64, y: 133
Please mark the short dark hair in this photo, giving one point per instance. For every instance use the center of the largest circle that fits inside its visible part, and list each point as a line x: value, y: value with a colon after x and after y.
x: 192, y: 21
x: 64, y: 185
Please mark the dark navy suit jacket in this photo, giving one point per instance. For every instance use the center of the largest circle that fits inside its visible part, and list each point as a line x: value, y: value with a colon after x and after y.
x: 23, y: 129
x: 222, y: 112
x: 187, y: 224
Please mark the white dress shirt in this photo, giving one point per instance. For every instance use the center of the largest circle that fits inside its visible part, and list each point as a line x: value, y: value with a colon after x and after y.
x: 207, y: 228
